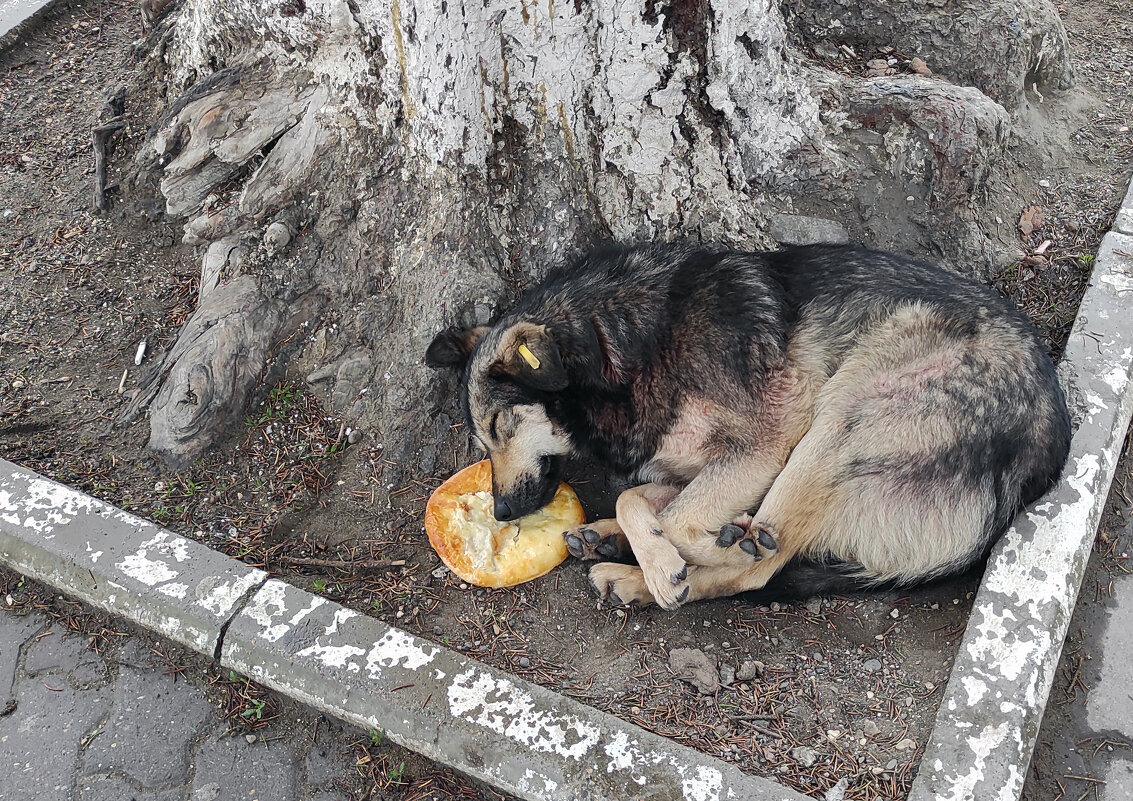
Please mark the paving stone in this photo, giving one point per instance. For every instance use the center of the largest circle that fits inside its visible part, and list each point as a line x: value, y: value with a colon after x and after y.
x: 56, y: 650
x: 1110, y: 708
x: 1118, y: 781
x: 149, y: 737
x: 118, y: 562
x: 334, y: 794
x: 115, y: 788
x: 325, y: 762
x: 15, y: 630
x: 39, y: 741
x: 243, y: 770
x: 62, y: 651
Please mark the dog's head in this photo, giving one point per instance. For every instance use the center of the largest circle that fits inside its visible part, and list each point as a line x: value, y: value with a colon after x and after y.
x: 511, y: 372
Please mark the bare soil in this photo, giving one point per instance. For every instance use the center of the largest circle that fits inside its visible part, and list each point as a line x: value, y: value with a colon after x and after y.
x: 843, y: 689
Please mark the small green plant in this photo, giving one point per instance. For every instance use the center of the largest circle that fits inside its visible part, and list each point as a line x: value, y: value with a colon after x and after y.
x: 1086, y: 261
x: 257, y: 710
x: 395, y: 774
x: 377, y: 737
x: 320, y: 585
x: 279, y: 400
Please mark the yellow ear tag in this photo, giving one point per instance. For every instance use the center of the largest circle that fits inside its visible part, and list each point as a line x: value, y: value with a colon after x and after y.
x: 529, y: 357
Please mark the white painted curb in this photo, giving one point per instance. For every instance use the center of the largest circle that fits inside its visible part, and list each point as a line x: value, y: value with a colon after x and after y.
x: 993, y: 705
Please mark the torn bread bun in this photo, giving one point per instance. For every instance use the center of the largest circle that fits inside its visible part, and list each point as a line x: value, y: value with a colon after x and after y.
x: 488, y: 553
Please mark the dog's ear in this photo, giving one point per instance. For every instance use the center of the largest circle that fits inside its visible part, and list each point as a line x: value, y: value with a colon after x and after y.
x: 530, y: 357
x: 451, y: 347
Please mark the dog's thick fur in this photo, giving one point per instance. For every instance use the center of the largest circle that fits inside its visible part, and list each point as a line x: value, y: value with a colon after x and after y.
x: 855, y: 417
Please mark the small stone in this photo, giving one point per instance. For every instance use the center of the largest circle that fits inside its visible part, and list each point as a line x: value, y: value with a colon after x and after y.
x: 796, y: 229
x: 354, y: 436
x: 695, y: 667
x: 804, y: 756
x: 439, y: 572
x: 871, y: 665
x: 277, y: 236
x: 814, y: 606
x: 838, y: 791
x: 727, y: 674
x: 749, y: 669
x: 18, y: 384
x: 250, y: 738
x: 908, y: 744
x: 1044, y: 183
x: 891, y: 764
x: 524, y: 662
x: 896, y: 613
x: 917, y: 65
x: 776, y: 606
x: 870, y: 728
x: 876, y: 67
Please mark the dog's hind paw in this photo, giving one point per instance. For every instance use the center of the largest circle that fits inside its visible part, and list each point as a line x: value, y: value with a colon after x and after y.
x: 620, y: 584
x: 602, y: 539
x: 757, y: 540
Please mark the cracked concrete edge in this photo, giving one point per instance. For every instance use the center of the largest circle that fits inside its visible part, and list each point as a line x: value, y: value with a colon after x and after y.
x: 12, y: 34
x: 522, y: 738
x: 1123, y: 222
x: 118, y: 562
x: 996, y: 695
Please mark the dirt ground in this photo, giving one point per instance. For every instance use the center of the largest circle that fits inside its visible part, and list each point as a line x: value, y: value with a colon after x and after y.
x: 830, y: 690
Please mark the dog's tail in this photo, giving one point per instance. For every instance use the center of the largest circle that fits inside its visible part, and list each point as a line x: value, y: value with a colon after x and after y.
x: 809, y: 578
x: 804, y: 578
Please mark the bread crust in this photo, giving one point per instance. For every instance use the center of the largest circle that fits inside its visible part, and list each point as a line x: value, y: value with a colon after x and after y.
x: 534, y: 551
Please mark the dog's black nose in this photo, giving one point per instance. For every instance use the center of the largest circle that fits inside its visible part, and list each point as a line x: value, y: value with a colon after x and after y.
x: 502, y: 510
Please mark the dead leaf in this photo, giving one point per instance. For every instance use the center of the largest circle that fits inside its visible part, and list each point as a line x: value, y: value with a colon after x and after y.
x: 1031, y: 220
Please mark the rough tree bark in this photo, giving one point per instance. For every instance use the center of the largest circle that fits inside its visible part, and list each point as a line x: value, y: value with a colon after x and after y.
x: 358, y: 173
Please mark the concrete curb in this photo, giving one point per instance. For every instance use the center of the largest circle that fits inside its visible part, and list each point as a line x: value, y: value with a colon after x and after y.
x: 522, y: 738
x: 11, y: 34
x: 118, y: 562
x: 515, y: 735
x: 995, y: 698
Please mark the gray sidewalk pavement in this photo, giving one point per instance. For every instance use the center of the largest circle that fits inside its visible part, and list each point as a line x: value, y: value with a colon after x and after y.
x: 76, y: 725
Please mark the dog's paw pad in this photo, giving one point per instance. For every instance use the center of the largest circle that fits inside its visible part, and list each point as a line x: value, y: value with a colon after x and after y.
x: 574, y: 545
x: 756, y: 540
x: 728, y: 535
x: 587, y: 543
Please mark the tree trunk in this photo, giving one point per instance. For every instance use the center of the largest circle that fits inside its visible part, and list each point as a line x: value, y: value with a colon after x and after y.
x: 360, y: 173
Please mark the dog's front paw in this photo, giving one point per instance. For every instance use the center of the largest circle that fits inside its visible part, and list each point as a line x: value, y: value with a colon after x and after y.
x: 757, y: 540
x: 602, y: 539
x: 620, y: 584
x: 665, y: 574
